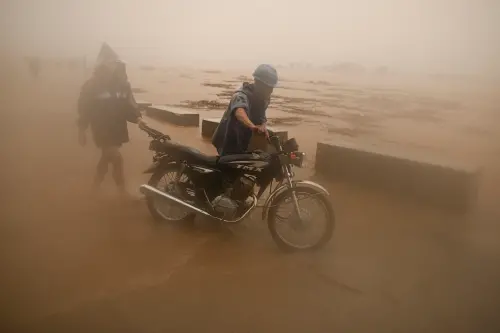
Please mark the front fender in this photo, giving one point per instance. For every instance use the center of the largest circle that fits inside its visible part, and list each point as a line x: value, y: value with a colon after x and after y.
x: 282, y: 188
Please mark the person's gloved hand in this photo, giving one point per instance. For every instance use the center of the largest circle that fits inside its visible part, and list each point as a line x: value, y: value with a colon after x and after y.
x: 141, y: 123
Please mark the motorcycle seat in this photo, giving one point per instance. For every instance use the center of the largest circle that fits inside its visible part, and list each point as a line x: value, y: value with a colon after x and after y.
x: 189, y: 154
x: 237, y: 157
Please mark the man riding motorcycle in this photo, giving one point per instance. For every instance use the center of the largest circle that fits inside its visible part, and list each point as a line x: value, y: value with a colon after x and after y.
x: 246, y: 112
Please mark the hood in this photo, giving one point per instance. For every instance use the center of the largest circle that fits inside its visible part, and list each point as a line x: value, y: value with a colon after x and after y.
x: 106, y: 55
x: 246, y: 88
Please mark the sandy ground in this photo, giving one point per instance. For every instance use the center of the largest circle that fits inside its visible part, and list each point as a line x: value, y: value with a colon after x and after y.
x: 71, y: 263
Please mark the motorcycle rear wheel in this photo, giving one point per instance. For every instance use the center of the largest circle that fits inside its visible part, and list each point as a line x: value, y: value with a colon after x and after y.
x: 274, y: 219
x: 152, y: 202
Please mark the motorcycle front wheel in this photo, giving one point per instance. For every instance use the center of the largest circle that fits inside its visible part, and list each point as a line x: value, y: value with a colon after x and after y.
x: 163, y: 180
x: 300, y: 232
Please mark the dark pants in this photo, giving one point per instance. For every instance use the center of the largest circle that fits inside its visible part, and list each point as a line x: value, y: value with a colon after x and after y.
x: 110, y: 155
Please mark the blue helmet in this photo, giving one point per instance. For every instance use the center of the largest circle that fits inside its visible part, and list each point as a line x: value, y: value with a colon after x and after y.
x: 266, y: 74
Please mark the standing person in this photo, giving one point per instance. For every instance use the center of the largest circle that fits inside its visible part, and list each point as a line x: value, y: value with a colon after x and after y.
x: 246, y: 112
x: 106, y: 103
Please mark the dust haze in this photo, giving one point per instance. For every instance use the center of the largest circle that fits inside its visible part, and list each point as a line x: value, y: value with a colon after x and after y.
x: 418, y: 78
x: 451, y: 36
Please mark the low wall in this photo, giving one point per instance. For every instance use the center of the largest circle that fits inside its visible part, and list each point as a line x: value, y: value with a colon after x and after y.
x: 143, y: 104
x: 443, y: 183
x: 173, y: 115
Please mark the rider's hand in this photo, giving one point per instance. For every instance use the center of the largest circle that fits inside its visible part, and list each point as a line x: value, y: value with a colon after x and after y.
x: 82, y: 138
x: 263, y: 130
x: 141, y: 123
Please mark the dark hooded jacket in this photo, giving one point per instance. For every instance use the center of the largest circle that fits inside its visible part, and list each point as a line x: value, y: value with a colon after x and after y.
x: 231, y: 136
x: 106, y: 108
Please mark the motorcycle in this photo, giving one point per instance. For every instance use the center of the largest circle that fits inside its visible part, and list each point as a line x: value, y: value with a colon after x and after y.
x: 224, y: 188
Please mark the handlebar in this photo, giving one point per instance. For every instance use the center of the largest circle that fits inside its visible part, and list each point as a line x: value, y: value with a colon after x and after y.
x: 272, y: 139
x: 269, y: 132
x: 275, y: 140
x: 154, y: 133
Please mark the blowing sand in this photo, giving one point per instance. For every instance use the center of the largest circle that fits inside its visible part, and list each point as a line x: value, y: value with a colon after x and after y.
x: 73, y: 263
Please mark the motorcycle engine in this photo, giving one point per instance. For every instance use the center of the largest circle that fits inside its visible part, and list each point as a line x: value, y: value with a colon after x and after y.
x: 226, y: 207
x: 236, y: 194
x: 242, y: 188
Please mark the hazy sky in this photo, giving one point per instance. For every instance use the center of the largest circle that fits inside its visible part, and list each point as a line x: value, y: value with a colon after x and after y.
x: 430, y: 35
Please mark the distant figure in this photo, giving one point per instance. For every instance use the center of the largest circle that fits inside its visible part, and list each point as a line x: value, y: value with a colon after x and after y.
x: 34, y: 66
x: 106, y: 103
x: 246, y: 113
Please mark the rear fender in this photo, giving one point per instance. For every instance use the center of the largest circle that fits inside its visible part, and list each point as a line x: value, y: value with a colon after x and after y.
x: 152, y: 168
x: 298, y: 184
x: 158, y: 164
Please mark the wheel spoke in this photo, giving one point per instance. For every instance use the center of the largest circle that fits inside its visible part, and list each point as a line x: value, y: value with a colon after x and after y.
x: 166, y: 210
x: 301, y: 223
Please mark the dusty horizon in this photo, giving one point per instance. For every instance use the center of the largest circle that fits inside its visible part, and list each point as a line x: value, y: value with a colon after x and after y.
x: 423, y: 36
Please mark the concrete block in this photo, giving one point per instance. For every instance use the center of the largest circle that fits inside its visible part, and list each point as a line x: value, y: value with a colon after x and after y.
x: 208, y: 127
x: 173, y: 115
x: 442, y: 183
x: 143, y: 104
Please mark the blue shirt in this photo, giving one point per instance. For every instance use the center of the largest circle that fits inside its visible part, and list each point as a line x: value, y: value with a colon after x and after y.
x: 231, y: 136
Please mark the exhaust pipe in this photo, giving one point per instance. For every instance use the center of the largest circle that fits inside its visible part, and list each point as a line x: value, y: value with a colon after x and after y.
x: 150, y: 190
